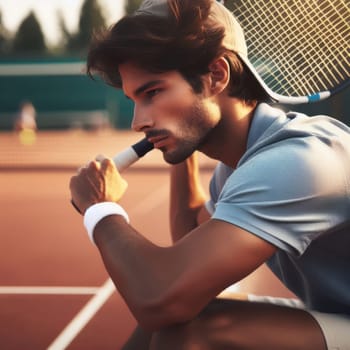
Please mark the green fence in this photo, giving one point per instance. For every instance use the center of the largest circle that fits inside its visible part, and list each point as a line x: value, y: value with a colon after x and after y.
x: 62, y: 94
x: 65, y: 97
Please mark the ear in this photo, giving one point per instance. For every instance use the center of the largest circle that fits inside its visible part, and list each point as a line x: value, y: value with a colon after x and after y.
x: 219, y: 75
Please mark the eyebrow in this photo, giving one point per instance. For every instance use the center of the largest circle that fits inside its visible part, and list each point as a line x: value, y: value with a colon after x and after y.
x: 146, y: 86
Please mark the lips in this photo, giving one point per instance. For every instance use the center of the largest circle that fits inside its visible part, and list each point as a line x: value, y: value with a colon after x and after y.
x: 158, y: 141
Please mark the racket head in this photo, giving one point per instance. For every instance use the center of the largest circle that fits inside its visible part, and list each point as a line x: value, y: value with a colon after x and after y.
x: 299, y: 51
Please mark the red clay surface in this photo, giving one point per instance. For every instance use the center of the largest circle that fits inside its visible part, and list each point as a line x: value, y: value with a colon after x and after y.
x: 44, y: 244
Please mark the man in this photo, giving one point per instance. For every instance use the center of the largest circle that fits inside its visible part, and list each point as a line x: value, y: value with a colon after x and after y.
x: 279, y: 195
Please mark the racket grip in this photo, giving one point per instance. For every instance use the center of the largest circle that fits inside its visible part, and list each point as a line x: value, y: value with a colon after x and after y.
x: 128, y: 157
x: 132, y: 154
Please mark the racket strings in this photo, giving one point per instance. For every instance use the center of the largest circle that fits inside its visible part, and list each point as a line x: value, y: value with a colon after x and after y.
x: 299, y: 57
x: 338, y: 24
x: 307, y: 56
x: 313, y: 46
x: 298, y: 47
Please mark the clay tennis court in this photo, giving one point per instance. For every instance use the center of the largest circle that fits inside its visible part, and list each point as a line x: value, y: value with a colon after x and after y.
x: 54, y: 291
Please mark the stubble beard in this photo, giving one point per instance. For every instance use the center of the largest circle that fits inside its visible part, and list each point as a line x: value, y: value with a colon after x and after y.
x: 194, y: 131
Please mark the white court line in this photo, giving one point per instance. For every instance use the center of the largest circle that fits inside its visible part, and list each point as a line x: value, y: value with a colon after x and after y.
x: 83, y: 317
x: 91, y: 308
x: 49, y: 290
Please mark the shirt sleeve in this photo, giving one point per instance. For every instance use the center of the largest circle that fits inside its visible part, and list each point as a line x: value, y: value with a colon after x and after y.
x: 221, y: 173
x: 286, y: 194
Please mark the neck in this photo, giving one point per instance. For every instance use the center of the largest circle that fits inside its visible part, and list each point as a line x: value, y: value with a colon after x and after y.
x: 227, y: 142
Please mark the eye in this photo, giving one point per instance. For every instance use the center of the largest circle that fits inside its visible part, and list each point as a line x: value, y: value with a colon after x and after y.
x: 153, y: 92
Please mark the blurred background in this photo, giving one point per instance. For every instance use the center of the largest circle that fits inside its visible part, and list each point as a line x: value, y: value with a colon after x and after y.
x: 43, y: 45
x: 53, y: 119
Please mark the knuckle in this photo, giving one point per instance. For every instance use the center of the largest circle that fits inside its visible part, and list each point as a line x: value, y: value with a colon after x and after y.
x: 92, y: 164
x: 108, y: 162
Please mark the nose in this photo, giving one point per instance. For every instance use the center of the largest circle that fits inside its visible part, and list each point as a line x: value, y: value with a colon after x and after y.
x: 142, y: 119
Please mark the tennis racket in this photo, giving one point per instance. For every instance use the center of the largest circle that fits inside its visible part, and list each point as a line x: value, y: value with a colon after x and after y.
x: 132, y: 154
x: 299, y: 48
x: 127, y: 157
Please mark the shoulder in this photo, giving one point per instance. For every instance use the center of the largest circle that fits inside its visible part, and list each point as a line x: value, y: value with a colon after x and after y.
x: 302, y: 165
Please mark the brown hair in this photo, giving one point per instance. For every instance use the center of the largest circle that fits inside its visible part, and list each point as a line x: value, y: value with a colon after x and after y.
x: 184, y: 41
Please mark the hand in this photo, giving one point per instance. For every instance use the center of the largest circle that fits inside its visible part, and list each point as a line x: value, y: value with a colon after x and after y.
x: 98, y: 181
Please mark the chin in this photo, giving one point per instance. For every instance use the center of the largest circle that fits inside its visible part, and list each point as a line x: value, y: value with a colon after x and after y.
x: 176, y: 156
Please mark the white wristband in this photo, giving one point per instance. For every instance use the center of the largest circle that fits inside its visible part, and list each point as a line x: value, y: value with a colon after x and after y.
x: 98, y: 211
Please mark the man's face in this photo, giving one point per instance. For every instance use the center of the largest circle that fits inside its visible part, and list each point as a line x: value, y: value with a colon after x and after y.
x: 174, y: 118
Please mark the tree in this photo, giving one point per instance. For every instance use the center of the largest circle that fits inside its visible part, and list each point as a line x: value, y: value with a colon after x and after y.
x: 132, y: 5
x: 29, y: 37
x: 91, y: 19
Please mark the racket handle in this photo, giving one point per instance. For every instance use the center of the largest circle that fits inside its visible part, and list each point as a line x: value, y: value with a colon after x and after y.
x: 128, y: 157
x: 132, y: 154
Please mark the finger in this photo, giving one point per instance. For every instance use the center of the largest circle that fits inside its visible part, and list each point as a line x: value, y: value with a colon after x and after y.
x: 83, y: 168
x: 94, y: 165
x: 72, y: 182
x: 107, y: 164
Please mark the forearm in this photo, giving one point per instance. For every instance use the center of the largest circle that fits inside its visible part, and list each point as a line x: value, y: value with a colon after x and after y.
x: 187, y: 197
x: 124, y: 252
x: 154, y: 281
x: 141, y: 271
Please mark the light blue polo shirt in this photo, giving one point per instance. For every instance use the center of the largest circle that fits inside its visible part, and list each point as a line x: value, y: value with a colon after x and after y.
x: 292, y: 188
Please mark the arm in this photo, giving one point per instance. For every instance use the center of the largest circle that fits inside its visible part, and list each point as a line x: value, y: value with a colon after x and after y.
x: 187, y: 198
x: 165, y: 286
